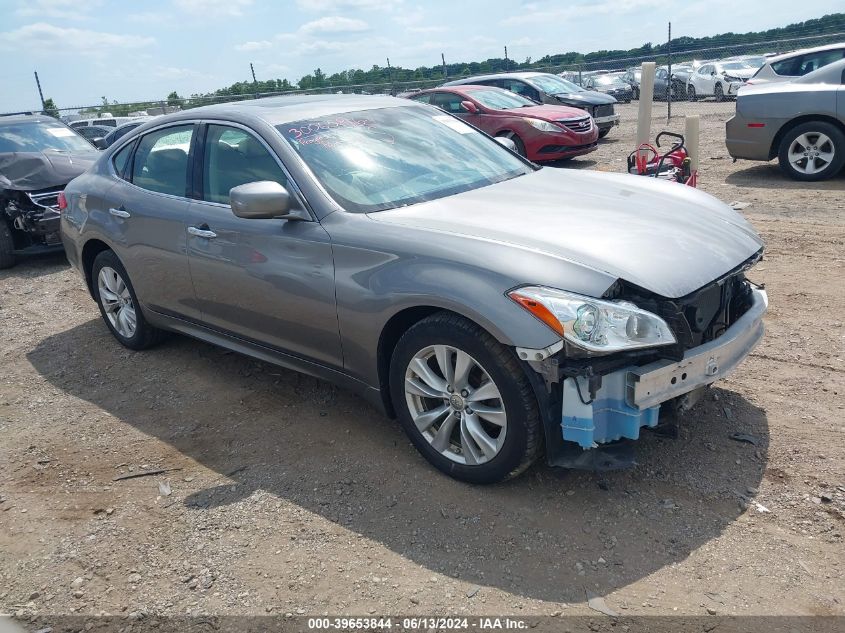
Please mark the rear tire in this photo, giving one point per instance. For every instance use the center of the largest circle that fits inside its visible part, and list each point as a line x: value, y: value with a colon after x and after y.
x: 691, y: 96
x: 464, y: 400
x: 520, y: 146
x: 119, y: 305
x: 7, y: 246
x: 812, y: 151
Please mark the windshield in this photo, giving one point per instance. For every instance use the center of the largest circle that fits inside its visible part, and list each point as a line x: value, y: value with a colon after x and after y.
x: 553, y: 85
x: 606, y: 80
x: 736, y: 66
x: 385, y: 158
x: 500, y: 99
x: 40, y: 136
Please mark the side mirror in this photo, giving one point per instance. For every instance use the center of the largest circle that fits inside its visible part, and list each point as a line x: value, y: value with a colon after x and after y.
x: 264, y: 200
x: 100, y: 142
x: 469, y: 106
x: 506, y: 142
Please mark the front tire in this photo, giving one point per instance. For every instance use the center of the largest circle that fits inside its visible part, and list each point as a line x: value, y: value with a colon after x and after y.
x: 604, y: 132
x: 812, y: 151
x: 464, y: 400
x: 119, y: 305
x: 719, y: 93
x: 691, y: 96
x: 7, y: 246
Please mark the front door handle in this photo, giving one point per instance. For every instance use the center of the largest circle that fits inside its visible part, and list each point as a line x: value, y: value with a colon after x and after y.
x: 119, y: 213
x: 202, y: 232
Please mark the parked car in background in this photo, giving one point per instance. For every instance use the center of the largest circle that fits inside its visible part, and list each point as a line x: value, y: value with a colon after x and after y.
x: 96, y: 134
x: 539, y: 132
x: 121, y: 130
x: 610, y: 85
x: 632, y: 77
x: 721, y: 80
x: 105, y: 121
x: 797, y: 63
x: 552, y: 90
x: 801, y: 122
x: 499, y: 309
x: 38, y: 157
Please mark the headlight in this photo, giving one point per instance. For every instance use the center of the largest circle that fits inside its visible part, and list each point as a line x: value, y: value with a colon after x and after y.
x: 594, y: 324
x: 732, y: 78
x: 543, y: 126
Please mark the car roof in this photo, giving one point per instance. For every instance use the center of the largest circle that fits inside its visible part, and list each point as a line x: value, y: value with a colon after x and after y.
x: 24, y: 118
x: 519, y: 75
x: 803, y: 51
x: 285, y: 109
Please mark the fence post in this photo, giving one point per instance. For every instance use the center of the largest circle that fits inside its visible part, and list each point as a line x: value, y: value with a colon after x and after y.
x: 669, y: 87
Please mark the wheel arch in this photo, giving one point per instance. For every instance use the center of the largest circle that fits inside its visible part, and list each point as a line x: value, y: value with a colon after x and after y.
x: 805, y: 118
x: 92, y: 248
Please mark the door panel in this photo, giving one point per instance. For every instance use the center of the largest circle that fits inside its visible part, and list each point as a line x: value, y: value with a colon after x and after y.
x: 271, y: 281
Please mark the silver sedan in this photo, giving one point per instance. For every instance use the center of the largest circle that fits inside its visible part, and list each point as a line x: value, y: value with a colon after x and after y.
x: 499, y: 310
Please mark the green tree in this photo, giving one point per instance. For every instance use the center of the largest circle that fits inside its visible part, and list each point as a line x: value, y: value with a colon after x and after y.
x: 173, y: 99
x: 50, y: 108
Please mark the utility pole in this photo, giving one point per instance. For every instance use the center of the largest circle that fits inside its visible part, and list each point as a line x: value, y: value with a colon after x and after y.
x: 252, y: 70
x: 40, y: 94
x: 390, y: 75
x: 669, y: 87
x: 506, y: 57
x: 443, y: 59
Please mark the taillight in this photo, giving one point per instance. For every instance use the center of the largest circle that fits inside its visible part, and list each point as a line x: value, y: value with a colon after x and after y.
x: 62, y: 201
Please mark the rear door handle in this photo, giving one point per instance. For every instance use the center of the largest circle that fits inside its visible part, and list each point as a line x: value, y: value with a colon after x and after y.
x: 202, y: 232
x: 119, y: 213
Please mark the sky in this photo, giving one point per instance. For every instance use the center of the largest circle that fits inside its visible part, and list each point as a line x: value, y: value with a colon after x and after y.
x: 127, y: 51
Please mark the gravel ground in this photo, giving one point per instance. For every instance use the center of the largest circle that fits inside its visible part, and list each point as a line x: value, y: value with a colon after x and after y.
x: 284, y: 494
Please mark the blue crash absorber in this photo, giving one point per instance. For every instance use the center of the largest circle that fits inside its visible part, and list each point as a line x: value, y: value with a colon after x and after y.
x: 607, y: 418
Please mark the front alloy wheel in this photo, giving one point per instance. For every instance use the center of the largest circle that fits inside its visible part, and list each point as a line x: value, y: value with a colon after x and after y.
x: 455, y: 404
x: 464, y: 400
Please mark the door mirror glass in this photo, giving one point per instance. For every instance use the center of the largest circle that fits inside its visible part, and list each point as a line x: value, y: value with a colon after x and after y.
x: 469, y: 106
x: 264, y: 199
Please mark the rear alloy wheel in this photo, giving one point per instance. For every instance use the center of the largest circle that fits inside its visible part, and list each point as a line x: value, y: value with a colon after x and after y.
x: 520, y: 146
x: 719, y: 93
x: 812, y: 151
x: 464, y: 400
x: 118, y: 304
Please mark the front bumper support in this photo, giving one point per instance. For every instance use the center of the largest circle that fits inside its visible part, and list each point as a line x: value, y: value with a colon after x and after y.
x: 630, y: 398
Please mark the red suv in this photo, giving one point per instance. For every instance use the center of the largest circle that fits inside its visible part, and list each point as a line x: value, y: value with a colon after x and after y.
x: 539, y: 132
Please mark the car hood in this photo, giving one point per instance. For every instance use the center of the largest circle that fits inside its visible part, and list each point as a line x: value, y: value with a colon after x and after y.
x: 548, y: 112
x: 585, y: 97
x: 32, y: 171
x: 664, y: 237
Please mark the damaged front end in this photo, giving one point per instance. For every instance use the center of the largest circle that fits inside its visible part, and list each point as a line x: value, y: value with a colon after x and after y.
x: 594, y: 402
x: 34, y: 218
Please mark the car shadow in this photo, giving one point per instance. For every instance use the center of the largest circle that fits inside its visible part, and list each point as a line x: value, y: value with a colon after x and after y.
x: 573, y: 163
x: 546, y: 535
x: 770, y: 175
x: 33, y: 266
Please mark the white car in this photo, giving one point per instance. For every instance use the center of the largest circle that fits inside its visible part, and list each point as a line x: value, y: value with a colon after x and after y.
x: 721, y: 80
x: 798, y: 63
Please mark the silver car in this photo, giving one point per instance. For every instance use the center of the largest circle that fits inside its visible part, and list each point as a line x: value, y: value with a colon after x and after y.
x: 801, y: 122
x: 501, y: 311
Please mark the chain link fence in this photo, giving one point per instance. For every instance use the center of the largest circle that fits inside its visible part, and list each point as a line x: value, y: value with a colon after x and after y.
x: 678, y: 89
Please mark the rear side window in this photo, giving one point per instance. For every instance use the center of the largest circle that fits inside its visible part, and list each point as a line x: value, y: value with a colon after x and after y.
x: 161, y: 160
x: 235, y: 157
x: 802, y: 64
x: 121, y: 159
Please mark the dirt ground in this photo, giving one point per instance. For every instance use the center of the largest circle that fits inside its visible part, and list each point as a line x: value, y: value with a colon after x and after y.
x: 287, y: 495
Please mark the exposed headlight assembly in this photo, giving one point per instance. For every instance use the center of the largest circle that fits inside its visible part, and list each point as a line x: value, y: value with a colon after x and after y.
x: 594, y: 324
x: 732, y: 79
x: 543, y: 126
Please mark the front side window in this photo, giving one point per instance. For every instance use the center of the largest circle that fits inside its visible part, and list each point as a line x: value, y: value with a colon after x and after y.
x: 426, y: 98
x: 379, y: 159
x: 235, y: 157
x: 40, y: 136
x: 449, y: 101
x: 522, y: 89
x: 161, y: 160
